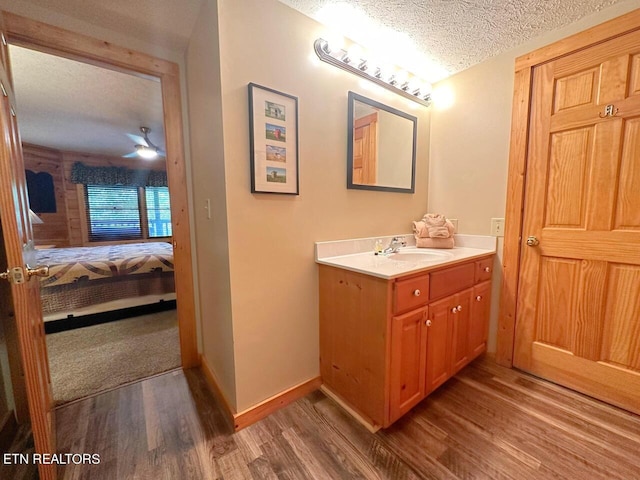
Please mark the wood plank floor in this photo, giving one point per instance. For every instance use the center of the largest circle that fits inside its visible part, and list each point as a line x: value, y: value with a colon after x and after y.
x: 487, y: 422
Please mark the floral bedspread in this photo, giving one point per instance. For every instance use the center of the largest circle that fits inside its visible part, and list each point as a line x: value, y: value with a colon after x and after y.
x: 70, y: 265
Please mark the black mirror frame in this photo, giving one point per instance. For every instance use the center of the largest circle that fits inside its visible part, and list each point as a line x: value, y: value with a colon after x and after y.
x: 350, y: 122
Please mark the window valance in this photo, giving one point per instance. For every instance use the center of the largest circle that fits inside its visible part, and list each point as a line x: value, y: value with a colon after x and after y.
x: 86, y: 175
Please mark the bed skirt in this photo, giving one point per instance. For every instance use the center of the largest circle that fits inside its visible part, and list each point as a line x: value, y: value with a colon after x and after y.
x: 85, y: 293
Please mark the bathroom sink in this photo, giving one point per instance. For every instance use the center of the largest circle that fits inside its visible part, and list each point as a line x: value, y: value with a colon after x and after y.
x: 419, y: 255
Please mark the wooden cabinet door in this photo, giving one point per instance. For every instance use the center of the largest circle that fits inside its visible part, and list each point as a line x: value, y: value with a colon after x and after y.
x: 438, y: 341
x: 460, y: 316
x: 578, y: 309
x: 408, y: 360
x: 479, y: 322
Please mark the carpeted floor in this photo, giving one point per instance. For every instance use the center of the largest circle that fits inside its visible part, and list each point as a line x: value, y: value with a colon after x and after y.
x: 92, y: 359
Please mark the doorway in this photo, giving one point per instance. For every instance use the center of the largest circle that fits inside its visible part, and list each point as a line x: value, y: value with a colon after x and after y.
x: 32, y: 34
x: 101, y: 220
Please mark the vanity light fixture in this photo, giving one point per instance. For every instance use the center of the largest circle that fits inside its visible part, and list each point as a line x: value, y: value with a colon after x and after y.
x: 396, y: 82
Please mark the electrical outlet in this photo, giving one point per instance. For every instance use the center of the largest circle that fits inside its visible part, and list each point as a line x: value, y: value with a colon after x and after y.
x: 455, y: 224
x: 497, y: 227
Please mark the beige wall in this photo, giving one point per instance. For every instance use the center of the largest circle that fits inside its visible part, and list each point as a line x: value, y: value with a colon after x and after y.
x: 273, y: 278
x: 208, y: 166
x: 470, y: 141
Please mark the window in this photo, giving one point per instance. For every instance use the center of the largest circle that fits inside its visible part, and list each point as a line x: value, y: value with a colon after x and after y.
x: 158, y: 211
x: 117, y: 212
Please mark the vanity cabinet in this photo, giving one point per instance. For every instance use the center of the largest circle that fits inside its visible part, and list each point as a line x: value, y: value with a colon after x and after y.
x: 387, y: 343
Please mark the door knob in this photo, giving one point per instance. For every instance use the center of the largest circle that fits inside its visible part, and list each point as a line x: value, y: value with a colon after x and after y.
x: 41, y: 271
x: 428, y: 323
x: 533, y: 241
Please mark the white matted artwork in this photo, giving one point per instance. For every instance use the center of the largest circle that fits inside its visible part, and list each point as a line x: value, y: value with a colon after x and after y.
x: 273, y: 135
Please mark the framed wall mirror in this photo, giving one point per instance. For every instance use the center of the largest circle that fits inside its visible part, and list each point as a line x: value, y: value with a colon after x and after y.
x: 381, y: 152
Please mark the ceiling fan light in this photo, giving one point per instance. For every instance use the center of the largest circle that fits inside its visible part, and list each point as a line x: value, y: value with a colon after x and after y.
x: 146, y: 152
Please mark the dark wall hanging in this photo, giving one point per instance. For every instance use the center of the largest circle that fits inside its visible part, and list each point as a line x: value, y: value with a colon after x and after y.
x: 41, y: 192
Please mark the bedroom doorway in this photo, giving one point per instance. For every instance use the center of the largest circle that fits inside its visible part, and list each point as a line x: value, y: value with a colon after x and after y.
x: 101, y: 221
x: 24, y: 33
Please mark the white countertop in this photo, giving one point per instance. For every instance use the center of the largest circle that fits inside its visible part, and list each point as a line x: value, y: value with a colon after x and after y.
x: 357, y: 255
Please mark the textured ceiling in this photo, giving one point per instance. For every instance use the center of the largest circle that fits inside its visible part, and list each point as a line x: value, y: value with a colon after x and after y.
x: 70, y: 105
x: 459, y: 34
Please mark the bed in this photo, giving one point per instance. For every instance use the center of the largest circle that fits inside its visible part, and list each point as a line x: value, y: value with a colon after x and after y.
x: 85, y: 280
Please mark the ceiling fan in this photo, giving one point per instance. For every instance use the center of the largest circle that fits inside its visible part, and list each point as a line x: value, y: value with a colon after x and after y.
x: 144, y: 147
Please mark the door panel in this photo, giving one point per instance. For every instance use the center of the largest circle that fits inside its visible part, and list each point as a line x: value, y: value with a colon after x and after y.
x: 408, y: 360
x: 621, y: 341
x: 569, y: 166
x: 479, y: 322
x: 438, y: 341
x: 578, y: 309
x: 365, y: 150
x: 576, y: 90
x: 460, y: 320
x: 25, y: 295
x: 628, y: 200
x: 634, y: 81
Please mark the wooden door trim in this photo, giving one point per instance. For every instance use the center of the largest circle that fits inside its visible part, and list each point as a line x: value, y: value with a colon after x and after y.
x: 516, y: 178
x: 33, y: 34
x: 581, y: 40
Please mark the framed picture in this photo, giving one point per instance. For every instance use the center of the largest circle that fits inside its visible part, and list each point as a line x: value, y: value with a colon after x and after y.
x: 273, y: 135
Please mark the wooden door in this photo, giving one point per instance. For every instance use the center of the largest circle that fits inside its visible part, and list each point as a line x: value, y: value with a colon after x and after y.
x: 438, y: 351
x: 479, y: 321
x: 408, y: 361
x: 460, y: 318
x: 578, y: 307
x: 25, y: 292
x: 365, y: 150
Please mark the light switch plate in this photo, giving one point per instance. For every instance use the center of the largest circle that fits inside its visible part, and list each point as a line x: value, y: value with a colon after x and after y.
x: 497, y: 227
x: 455, y: 224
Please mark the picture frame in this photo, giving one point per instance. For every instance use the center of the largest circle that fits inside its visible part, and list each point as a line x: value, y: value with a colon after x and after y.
x: 273, y: 137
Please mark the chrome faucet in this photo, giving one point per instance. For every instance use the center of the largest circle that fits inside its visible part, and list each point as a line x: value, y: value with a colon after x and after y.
x: 394, y: 245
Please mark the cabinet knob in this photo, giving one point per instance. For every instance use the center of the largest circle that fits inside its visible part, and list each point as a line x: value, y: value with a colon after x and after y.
x: 478, y: 298
x: 417, y: 292
x: 454, y: 310
x: 428, y: 323
x: 487, y: 269
x: 459, y: 308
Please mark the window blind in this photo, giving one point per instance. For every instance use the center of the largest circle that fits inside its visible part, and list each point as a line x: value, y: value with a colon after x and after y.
x: 113, y: 212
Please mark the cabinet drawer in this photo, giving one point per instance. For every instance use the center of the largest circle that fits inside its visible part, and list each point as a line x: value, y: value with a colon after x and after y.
x: 451, y: 280
x: 410, y: 293
x: 484, y: 269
